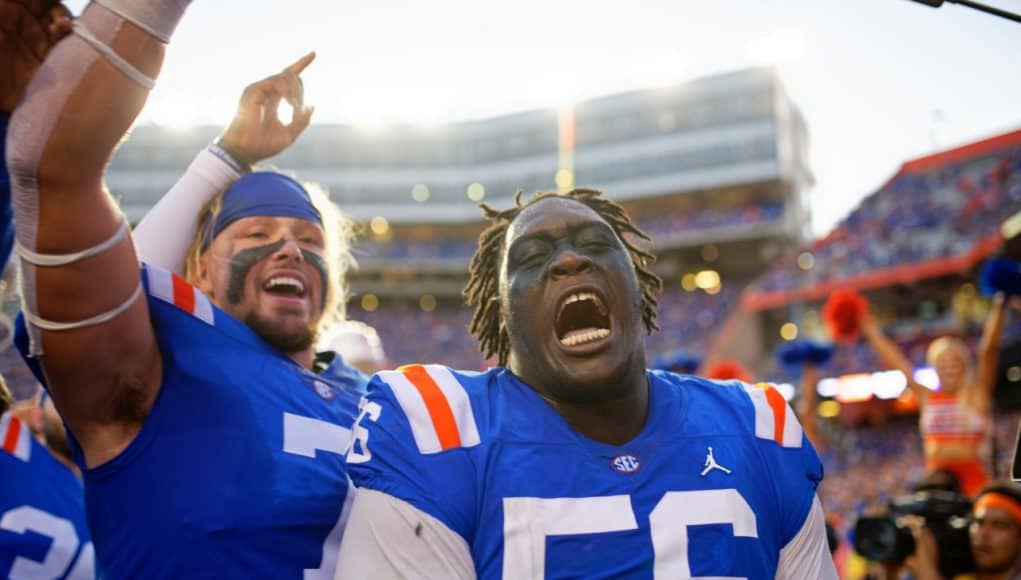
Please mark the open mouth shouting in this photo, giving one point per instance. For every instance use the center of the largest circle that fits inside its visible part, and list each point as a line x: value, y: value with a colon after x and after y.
x: 285, y: 287
x: 582, y: 319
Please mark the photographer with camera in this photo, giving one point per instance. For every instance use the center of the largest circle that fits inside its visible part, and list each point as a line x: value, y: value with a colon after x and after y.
x: 927, y: 526
x: 994, y: 538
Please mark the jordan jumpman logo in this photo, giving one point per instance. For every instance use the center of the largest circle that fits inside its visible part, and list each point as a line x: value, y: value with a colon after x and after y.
x: 710, y: 464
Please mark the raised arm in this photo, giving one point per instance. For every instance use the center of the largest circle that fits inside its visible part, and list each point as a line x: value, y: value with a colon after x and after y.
x: 989, y: 350
x: 82, y: 297
x: 891, y: 355
x: 256, y: 133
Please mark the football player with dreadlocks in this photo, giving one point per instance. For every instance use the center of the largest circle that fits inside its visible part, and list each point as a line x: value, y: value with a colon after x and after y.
x: 571, y: 459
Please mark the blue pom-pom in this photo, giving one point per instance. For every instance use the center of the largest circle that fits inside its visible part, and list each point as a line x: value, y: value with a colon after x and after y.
x: 796, y: 353
x: 1000, y: 275
x: 680, y: 361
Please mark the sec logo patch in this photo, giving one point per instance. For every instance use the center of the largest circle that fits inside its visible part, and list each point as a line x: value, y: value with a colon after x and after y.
x: 625, y: 464
x: 323, y: 390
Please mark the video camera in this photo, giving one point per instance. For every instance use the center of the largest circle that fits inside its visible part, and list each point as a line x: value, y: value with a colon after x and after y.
x: 887, y: 539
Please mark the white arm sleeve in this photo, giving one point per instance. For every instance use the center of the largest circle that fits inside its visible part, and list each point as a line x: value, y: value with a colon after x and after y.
x: 807, y: 555
x: 165, y: 233
x: 387, y: 538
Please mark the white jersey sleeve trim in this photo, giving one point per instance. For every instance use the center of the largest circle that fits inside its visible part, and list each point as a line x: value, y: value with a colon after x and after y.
x: 167, y: 230
x: 774, y: 418
x: 807, y: 555
x: 437, y: 406
x: 459, y: 402
x: 171, y: 288
x: 15, y: 437
x: 414, y: 408
x: 389, y: 538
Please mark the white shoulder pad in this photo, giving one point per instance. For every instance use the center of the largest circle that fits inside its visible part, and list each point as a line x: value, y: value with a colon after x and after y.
x: 437, y: 406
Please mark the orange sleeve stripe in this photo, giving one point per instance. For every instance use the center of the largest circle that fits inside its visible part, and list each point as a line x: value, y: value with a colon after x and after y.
x: 779, y: 407
x: 184, y: 294
x: 11, y: 437
x: 436, y: 403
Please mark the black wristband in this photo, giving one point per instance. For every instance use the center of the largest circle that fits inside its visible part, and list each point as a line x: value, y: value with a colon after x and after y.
x: 230, y: 156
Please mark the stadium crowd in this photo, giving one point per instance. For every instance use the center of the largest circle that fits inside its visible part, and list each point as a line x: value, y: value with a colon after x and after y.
x: 700, y: 221
x: 403, y: 324
x: 449, y: 340
x: 424, y: 252
x: 947, y: 210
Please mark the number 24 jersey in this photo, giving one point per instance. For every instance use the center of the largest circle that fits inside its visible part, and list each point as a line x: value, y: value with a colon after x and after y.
x: 718, y: 482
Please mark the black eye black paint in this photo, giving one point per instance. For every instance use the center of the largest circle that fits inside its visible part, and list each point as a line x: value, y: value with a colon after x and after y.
x: 319, y: 264
x: 243, y: 261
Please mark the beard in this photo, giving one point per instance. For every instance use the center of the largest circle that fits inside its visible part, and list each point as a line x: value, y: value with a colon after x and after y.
x: 287, y: 342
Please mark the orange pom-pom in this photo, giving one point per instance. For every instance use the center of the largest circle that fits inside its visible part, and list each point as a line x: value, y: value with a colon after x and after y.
x: 843, y: 313
x: 728, y: 369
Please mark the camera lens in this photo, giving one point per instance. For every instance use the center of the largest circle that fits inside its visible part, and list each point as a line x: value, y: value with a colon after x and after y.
x: 880, y: 539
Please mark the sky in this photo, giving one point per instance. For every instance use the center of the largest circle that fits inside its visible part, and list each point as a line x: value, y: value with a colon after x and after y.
x: 878, y: 81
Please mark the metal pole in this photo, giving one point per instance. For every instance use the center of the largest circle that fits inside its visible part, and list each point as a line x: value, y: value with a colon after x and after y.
x: 989, y: 10
x: 975, y: 5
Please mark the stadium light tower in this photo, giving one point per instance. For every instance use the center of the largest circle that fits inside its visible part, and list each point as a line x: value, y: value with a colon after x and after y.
x: 982, y: 7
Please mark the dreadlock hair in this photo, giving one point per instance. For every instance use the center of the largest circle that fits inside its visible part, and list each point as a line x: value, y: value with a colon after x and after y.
x: 484, y: 270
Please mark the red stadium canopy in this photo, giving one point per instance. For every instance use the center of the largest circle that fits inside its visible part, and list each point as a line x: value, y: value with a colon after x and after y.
x: 963, y: 153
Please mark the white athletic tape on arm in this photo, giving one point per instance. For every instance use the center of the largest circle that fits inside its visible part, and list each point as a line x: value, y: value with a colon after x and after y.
x: 157, y: 17
x: 30, y: 128
x: 40, y: 322
x: 52, y: 260
x: 33, y: 122
x: 113, y: 58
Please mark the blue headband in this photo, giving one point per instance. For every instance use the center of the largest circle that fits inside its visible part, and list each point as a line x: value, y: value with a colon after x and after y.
x: 263, y: 193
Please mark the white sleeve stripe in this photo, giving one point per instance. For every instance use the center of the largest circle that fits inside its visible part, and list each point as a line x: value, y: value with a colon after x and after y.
x: 764, y: 421
x: 792, y: 433
x: 807, y: 555
x: 203, y: 307
x: 459, y: 403
x: 766, y: 417
x: 23, y: 450
x: 413, y: 405
x: 160, y: 284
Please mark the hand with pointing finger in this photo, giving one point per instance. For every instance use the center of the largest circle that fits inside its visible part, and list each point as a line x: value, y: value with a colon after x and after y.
x: 256, y: 132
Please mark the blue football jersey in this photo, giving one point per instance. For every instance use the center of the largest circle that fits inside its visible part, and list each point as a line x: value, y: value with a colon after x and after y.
x: 42, y: 519
x: 720, y: 478
x: 238, y: 471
